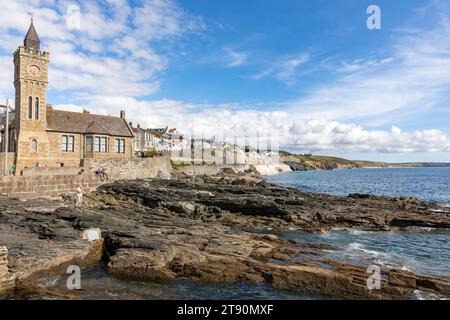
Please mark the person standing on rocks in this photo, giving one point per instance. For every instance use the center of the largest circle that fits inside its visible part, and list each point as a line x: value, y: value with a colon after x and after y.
x: 79, y: 193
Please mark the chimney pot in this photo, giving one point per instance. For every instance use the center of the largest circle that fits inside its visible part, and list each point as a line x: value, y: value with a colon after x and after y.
x: 122, y: 114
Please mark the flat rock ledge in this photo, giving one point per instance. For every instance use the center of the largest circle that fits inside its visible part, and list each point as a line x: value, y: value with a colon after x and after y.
x: 204, y: 230
x: 34, y: 244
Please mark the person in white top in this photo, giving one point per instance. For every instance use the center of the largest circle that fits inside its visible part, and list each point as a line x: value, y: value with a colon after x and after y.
x: 79, y: 193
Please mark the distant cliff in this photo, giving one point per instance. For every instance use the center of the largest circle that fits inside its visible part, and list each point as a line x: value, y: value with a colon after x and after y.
x: 299, y: 162
x: 420, y: 165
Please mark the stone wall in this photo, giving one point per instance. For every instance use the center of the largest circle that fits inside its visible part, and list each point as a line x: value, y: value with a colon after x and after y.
x: 45, y: 186
x: 57, y: 157
x: 209, y: 170
x: 134, y: 168
x: 61, y: 171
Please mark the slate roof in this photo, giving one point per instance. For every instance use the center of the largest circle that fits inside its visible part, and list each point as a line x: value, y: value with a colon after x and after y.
x: 32, y: 39
x: 86, y: 123
x: 155, y: 132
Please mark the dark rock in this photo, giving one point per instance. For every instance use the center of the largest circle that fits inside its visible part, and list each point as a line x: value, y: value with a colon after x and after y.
x: 160, y: 230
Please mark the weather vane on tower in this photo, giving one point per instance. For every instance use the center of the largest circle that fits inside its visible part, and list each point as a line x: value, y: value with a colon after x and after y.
x: 31, y: 14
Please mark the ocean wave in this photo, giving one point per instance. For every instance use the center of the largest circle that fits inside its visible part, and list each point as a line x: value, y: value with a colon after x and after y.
x: 420, y: 295
x: 437, y: 210
x: 360, y: 247
x: 422, y: 229
x: 358, y: 232
x: 405, y: 269
x: 387, y: 264
x: 50, y: 282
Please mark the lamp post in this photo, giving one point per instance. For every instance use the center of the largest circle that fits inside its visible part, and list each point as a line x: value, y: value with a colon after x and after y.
x: 5, y: 154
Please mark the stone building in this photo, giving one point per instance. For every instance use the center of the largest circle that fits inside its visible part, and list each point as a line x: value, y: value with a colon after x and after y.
x: 45, y: 137
x: 160, y: 139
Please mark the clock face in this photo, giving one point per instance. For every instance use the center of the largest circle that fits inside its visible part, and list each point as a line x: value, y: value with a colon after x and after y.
x: 34, y: 70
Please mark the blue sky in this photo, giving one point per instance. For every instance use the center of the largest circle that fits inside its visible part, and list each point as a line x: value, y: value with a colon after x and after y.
x: 310, y: 70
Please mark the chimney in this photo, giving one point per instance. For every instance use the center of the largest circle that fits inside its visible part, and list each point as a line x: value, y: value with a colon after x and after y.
x: 139, y: 126
x: 122, y: 114
x: 130, y: 124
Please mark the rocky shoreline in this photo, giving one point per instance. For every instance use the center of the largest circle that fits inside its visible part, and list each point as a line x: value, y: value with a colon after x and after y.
x: 201, y: 229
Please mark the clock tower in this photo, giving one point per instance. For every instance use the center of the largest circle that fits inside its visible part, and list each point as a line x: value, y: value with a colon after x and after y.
x: 30, y: 82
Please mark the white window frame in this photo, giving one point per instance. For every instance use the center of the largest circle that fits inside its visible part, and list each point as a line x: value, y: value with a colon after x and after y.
x: 67, y: 143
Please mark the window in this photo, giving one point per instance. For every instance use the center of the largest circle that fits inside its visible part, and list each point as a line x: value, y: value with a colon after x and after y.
x: 36, y: 111
x: 97, y: 144
x: 120, y: 145
x: 68, y: 143
x: 100, y: 145
x: 34, y: 145
x: 90, y: 144
x: 30, y: 108
x: 71, y: 144
x: 103, y: 148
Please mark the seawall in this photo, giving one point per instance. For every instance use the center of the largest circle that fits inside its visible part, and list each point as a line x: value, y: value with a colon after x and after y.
x: 134, y: 168
x: 210, y: 170
x: 48, y: 182
x: 45, y: 186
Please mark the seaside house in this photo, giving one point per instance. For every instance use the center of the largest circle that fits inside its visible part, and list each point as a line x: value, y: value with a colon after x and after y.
x: 160, y: 139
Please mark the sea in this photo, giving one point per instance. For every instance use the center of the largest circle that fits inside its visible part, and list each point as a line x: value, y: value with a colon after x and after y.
x: 427, y: 184
x: 425, y: 251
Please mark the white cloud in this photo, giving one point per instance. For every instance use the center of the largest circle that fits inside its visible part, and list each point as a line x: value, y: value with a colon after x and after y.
x: 236, y: 58
x: 324, y: 135
x: 112, y: 53
x: 288, y: 69
x: 361, y: 64
x: 415, y: 76
x: 162, y: 19
x: 312, y: 135
x: 285, y: 70
x: 113, y: 60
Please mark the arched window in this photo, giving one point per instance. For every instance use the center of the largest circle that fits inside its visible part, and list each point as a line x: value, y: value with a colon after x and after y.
x: 36, y: 111
x: 30, y: 108
x: 34, y: 145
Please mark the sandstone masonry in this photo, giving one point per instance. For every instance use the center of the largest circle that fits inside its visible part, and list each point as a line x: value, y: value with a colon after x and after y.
x: 134, y: 168
x: 45, y: 186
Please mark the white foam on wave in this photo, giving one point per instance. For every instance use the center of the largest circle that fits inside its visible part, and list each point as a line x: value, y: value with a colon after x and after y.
x: 385, y: 263
x: 338, y: 229
x: 360, y: 247
x: 358, y: 232
x: 420, y: 295
x: 50, y: 282
x: 428, y: 229
x: 405, y: 269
